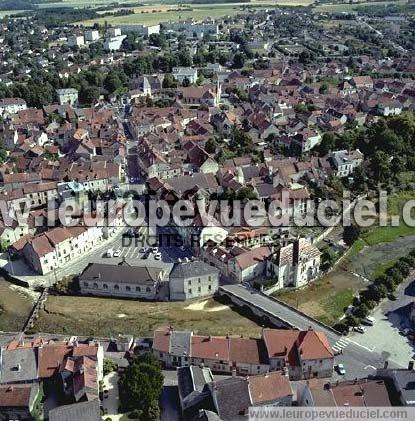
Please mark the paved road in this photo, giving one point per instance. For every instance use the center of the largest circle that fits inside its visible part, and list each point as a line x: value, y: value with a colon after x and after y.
x: 284, y: 313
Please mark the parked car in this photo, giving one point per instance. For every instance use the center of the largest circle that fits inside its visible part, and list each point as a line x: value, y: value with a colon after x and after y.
x: 157, y: 256
x: 142, y: 250
x: 155, y: 250
x: 340, y: 369
x: 117, y: 253
x: 109, y: 253
x: 369, y: 320
x: 360, y: 329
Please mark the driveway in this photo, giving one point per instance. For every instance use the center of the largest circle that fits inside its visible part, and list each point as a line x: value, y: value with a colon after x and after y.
x: 110, y: 404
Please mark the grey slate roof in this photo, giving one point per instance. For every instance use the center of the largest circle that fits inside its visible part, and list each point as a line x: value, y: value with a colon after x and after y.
x: 231, y: 397
x: 180, y: 343
x: 83, y: 411
x: 192, y: 269
x: 121, y: 274
x: 405, y: 379
x: 18, y: 365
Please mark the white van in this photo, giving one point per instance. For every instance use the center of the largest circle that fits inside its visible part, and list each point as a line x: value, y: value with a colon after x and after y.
x: 110, y: 253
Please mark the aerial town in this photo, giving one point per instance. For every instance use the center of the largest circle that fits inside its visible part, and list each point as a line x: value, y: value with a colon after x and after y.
x: 206, y: 210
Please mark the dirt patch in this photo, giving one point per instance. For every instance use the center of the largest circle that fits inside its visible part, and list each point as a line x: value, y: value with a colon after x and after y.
x: 15, y: 306
x: 206, y: 306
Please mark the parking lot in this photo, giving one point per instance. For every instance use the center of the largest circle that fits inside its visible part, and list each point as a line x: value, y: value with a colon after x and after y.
x: 388, y: 334
x: 139, y: 251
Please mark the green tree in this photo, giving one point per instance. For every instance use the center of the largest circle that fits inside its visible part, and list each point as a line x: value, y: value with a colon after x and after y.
x: 361, y: 311
x: 350, y: 234
x: 109, y: 366
x: 169, y: 81
x: 210, y: 146
x: 238, y: 61
x: 327, y: 144
x: 140, y: 387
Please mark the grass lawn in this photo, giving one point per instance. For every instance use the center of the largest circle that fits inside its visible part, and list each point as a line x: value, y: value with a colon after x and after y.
x: 109, y: 317
x: 15, y: 307
x: 357, y: 246
x: 326, y: 298
x: 387, y: 234
x: 383, y: 267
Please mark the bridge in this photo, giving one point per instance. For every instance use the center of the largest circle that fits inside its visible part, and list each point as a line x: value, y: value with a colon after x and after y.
x: 273, y: 311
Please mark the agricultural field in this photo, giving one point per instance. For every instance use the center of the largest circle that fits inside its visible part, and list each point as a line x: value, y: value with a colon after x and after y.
x: 110, y: 316
x: 347, y: 7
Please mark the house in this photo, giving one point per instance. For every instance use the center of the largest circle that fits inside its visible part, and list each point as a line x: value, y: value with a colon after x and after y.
x: 56, y: 247
x: 303, y: 354
x: 194, y: 392
x: 192, y: 279
x: 362, y: 82
x: 67, y: 96
x: 17, y: 401
x: 249, y: 265
x: 295, y: 264
x: 400, y: 383
x: 122, y: 281
x: 91, y: 35
x: 76, y: 40
x: 12, y: 105
x: 18, y: 366
x: 355, y: 393
x: 345, y: 162
x: 182, y: 73
x: 229, y: 398
x: 81, y: 411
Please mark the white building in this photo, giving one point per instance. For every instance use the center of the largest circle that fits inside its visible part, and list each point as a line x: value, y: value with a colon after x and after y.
x: 113, y: 43
x: 182, y: 73
x: 121, y: 281
x: 67, y: 96
x: 59, y: 246
x: 114, y: 32
x: 76, y: 41
x: 141, y: 29
x: 295, y: 265
x: 345, y: 162
x: 12, y: 105
x: 192, y: 279
x: 91, y: 35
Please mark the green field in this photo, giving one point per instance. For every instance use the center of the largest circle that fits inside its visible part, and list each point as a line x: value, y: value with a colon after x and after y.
x: 110, y: 316
x: 326, y: 298
x: 347, y: 7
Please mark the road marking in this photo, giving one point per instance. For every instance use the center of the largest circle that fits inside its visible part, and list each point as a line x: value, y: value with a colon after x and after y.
x: 362, y: 346
x: 369, y: 366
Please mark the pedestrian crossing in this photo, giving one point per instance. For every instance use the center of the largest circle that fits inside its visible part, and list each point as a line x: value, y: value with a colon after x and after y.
x: 341, y: 344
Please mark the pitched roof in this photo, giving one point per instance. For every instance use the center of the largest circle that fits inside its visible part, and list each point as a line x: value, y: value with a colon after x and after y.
x: 269, y: 387
x: 192, y: 269
x: 18, y: 395
x: 83, y: 411
x: 121, y: 273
